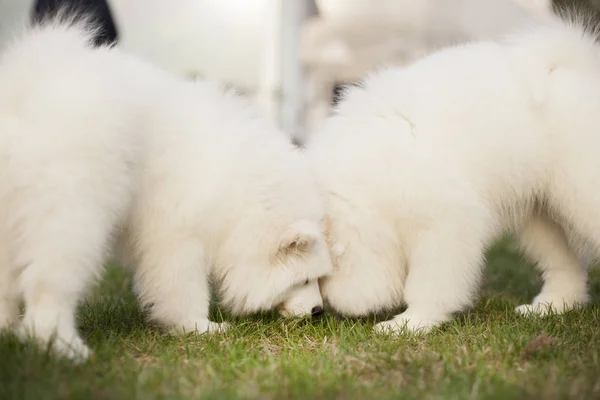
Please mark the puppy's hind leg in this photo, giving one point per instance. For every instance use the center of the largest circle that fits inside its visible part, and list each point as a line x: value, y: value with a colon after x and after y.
x: 63, y: 243
x: 63, y: 251
x: 565, y: 278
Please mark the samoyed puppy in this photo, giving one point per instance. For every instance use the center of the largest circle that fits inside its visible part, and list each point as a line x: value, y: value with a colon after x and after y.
x: 423, y: 167
x: 102, y: 151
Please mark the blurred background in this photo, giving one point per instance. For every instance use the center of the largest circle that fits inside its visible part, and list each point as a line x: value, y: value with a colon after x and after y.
x: 289, y: 56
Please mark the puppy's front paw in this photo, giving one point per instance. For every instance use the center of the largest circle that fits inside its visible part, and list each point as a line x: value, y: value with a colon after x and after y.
x: 64, y: 342
x: 544, y: 305
x: 200, y: 326
x: 218, y: 327
x: 9, y: 316
x: 530, y: 309
x: 74, y: 349
x: 405, y: 324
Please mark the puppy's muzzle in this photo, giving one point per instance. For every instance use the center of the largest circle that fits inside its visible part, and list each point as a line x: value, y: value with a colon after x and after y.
x: 316, y: 311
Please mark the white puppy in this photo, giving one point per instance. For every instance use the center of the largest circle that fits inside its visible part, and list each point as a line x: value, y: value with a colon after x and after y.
x: 99, y: 149
x: 423, y: 167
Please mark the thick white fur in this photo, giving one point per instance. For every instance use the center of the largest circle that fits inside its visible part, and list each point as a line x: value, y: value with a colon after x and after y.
x: 99, y: 149
x: 423, y: 167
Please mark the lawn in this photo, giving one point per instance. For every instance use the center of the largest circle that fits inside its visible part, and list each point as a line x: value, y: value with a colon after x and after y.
x: 487, y: 353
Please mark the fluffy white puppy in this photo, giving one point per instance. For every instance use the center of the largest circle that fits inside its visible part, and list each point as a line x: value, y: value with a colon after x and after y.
x: 99, y: 149
x: 424, y: 167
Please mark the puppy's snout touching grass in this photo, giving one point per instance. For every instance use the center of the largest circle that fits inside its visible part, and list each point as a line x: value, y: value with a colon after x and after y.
x: 316, y: 311
x: 303, y: 301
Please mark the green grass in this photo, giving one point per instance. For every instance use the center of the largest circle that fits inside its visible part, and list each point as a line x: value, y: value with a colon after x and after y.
x: 486, y: 353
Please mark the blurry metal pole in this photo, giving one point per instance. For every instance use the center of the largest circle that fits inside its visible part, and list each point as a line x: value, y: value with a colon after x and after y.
x: 282, y: 91
x: 270, y: 72
x: 294, y: 83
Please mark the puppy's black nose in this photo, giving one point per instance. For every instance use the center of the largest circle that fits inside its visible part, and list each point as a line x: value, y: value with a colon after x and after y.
x: 316, y: 311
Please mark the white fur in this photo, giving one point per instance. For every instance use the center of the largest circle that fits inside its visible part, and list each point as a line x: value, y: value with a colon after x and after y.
x: 99, y: 149
x: 423, y: 167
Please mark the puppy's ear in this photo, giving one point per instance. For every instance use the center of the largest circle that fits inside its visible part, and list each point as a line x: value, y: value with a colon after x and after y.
x: 299, y: 238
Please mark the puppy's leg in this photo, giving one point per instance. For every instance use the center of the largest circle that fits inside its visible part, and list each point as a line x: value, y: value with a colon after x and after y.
x: 9, y: 293
x: 171, y: 280
x: 444, y: 271
x: 63, y: 252
x: 565, y: 278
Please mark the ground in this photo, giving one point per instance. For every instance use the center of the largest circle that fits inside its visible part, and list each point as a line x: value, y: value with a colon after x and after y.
x: 487, y: 353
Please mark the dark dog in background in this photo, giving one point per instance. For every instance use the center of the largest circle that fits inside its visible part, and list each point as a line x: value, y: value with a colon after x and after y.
x: 98, y: 10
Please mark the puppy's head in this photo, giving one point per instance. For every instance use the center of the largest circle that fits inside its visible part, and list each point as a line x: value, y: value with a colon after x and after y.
x: 275, y: 269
